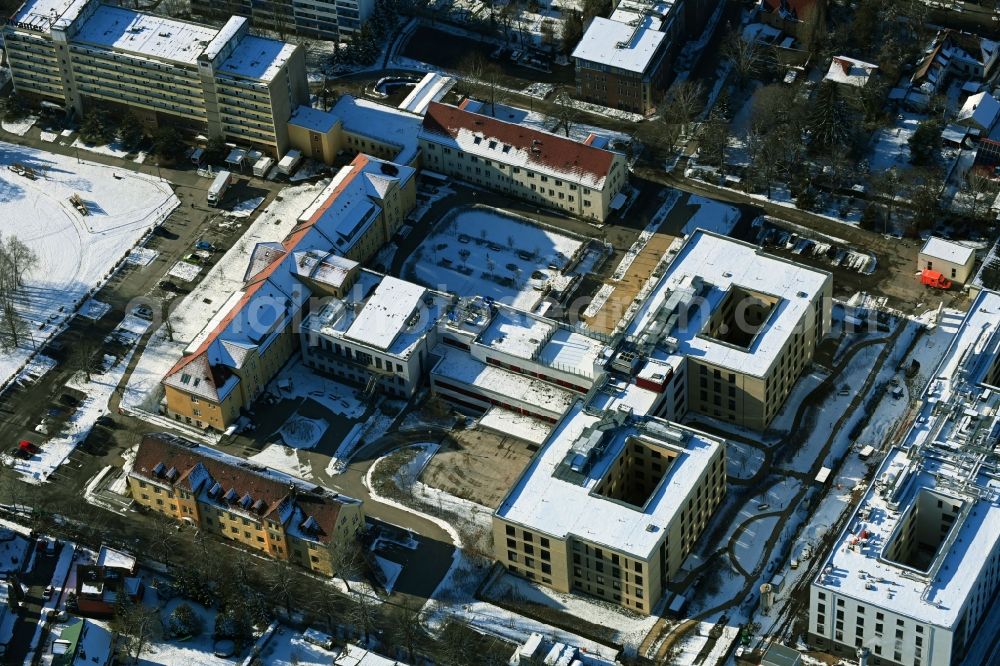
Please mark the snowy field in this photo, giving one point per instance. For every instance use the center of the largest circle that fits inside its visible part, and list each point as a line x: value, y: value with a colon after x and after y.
x: 75, y: 253
x: 483, y: 252
x: 890, y: 146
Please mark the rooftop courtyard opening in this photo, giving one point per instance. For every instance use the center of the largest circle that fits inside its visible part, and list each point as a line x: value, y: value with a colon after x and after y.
x: 636, y: 472
x: 740, y: 316
x: 922, y: 530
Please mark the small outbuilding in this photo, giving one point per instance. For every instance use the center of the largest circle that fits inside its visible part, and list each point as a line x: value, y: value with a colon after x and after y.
x: 953, y: 260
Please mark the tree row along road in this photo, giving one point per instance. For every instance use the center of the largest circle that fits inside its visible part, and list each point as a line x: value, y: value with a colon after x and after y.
x: 809, y: 403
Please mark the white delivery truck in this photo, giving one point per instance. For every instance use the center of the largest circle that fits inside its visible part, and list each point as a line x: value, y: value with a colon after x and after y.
x: 262, y: 166
x: 287, y: 164
x: 219, y: 186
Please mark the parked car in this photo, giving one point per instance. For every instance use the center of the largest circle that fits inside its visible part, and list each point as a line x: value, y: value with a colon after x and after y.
x: 69, y: 400
x: 143, y: 311
x: 49, y: 591
x: 105, y: 421
x: 206, y: 246
x: 167, y: 285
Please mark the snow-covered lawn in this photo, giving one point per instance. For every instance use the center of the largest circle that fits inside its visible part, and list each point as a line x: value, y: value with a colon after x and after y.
x: 890, y: 147
x: 484, y: 252
x: 142, y: 256
x: 195, y: 651
x: 629, y: 628
x: 283, y: 459
x: 143, y: 392
x: 94, y: 309
x: 75, y: 254
x: 19, y: 127
x: 245, y: 208
x: 298, y: 381
x: 185, y: 271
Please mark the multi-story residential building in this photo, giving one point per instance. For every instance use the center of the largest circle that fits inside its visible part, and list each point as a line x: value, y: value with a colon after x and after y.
x: 952, y: 55
x: 541, y: 168
x: 727, y: 330
x: 611, y: 505
x: 222, y: 82
x: 276, y: 514
x: 228, y: 365
x: 335, y: 20
x: 357, y: 125
x: 621, y: 65
x: 910, y: 579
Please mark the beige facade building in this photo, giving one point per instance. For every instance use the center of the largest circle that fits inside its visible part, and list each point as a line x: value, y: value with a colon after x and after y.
x: 952, y: 260
x: 731, y: 327
x: 75, y: 54
x: 281, y: 516
x: 251, y: 337
x: 357, y: 126
x: 610, y: 506
x: 538, y: 167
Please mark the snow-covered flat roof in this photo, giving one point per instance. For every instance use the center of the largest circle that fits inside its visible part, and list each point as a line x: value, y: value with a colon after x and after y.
x: 572, y: 351
x: 946, y: 250
x: 516, y: 333
x: 461, y: 367
x: 109, y: 557
x: 312, y: 119
x: 723, y: 264
x: 386, y: 312
x: 620, y: 45
x: 382, y: 123
x: 257, y: 58
x: 145, y: 34
x: 552, y: 505
x: 42, y: 15
x: 958, y: 413
x: 432, y: 88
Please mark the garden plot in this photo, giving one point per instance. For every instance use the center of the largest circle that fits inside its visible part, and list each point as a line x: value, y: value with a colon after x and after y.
x: 74, y: 254
x: 483, y: 252
x: 142, y: 256
x: 94, y: 309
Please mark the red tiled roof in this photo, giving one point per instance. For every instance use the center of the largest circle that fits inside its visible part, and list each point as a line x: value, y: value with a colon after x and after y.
x: 290, y: 243
x: 174, y: 452
x: 548, y: 150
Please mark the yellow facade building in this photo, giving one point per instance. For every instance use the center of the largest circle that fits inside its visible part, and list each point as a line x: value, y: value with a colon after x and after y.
x: 228, y: 365
x: 280, y: 516
x: 610, y: 506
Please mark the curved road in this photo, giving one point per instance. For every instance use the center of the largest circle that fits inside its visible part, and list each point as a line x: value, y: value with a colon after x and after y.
x: 809, y: 402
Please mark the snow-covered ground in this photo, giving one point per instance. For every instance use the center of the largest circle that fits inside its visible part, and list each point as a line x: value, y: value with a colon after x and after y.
x: 629, y: 628
x: 19, y: 127
x: 711, y: 215
x: 75, y: 253
x: 300, y: 432
x: 890, y: 146
x: 194, y: 651
x: 143, y: 392
x: 289, y: 648
x: 298, y: 381
x: 284, y: 459
x: 475, y: 253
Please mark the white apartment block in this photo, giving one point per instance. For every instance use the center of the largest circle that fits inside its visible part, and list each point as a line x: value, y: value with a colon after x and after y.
x: 378, y: 335
x: 71, y: 54
x: 914, y: 574
x: 545, y: 169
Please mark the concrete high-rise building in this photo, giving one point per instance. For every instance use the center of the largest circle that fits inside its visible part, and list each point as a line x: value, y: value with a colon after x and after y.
x: 74, y: 54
